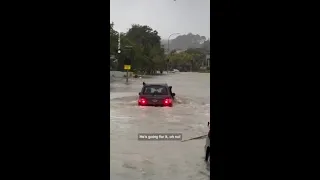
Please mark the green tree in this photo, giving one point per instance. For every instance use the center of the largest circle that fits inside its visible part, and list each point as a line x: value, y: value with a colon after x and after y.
x: 147, y: 53
x: 189, y: 60
x: 113, y: 40
x: 198, y: 55
x: 182, y: 61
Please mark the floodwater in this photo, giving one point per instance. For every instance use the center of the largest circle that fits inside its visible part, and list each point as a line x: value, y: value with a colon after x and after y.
x: 160, y: 160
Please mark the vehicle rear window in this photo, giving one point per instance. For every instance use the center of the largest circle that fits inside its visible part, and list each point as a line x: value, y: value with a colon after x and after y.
x: 151, y: 90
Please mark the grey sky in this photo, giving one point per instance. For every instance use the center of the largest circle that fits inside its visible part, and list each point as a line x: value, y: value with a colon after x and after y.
x: 165, y: 16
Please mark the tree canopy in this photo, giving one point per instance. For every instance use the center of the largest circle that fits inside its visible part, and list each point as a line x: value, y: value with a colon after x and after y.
x: 143, y: 46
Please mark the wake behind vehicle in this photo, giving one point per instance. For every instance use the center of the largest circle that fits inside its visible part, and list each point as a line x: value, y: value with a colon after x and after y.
x: 156, y: 95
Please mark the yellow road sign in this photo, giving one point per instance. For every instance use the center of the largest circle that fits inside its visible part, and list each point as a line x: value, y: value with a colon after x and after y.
x: 127, y: 67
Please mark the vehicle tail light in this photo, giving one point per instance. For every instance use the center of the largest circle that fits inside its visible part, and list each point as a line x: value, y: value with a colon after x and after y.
x: 142, y: 101
x: 167, y: 101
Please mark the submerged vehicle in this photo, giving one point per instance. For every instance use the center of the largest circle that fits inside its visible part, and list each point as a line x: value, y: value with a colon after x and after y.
x: 156, y: 95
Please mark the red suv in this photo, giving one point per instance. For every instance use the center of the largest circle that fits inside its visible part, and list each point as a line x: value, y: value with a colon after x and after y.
x: 156, y: 95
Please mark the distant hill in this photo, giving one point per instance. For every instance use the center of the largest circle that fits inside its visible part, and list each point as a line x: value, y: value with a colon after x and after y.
x: 187, y: 41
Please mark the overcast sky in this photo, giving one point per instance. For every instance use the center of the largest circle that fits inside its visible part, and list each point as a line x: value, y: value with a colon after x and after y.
x: 165, y: 16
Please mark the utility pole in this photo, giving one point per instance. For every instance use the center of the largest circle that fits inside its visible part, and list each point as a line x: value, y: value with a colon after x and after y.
x: 119, y: 51
x: 169, y: 50
x: 128, y: 61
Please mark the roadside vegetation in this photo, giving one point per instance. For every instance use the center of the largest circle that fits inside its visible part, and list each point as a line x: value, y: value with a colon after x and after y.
x: 148, y: 52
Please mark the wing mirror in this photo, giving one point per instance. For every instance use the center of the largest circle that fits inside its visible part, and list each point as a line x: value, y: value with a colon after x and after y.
x: 139, y: 93
x: 173, y: 94
x: 208, y: 124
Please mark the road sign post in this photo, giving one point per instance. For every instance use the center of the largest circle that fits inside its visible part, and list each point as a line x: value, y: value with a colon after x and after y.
x: 127, y: 76
x: 127, y: 67
x: 127, y: 60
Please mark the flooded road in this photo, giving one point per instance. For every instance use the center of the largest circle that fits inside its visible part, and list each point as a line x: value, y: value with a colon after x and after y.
x: 160, y: 160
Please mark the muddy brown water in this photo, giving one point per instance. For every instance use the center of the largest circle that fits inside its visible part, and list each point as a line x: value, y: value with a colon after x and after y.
x: 160, y: 160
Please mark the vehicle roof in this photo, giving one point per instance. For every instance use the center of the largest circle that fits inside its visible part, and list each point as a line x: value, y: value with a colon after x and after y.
x: 156, y: 84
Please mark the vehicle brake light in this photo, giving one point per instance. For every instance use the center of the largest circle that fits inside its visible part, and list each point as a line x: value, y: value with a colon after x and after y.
x: 168, y: 101
x: 142, y: 101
